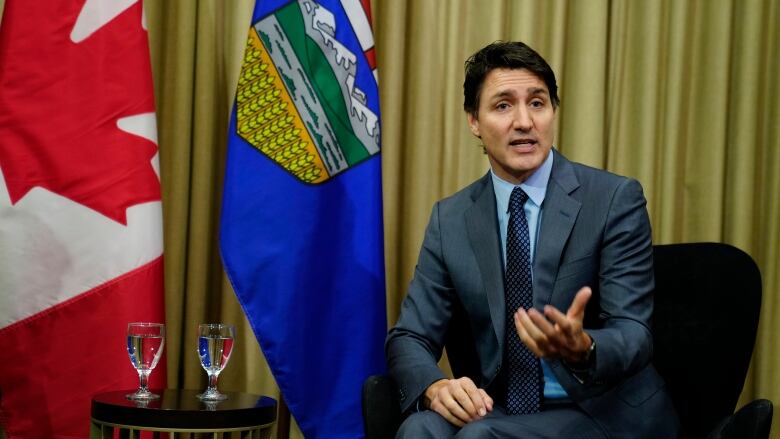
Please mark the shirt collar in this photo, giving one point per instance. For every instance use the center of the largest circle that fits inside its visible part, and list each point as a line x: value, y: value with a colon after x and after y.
x: 535, y: 185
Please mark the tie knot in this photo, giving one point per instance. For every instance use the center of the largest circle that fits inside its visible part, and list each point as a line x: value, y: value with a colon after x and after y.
x: 517, y: 200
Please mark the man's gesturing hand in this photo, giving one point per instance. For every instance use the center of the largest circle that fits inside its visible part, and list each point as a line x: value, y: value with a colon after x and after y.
x: 555, y: 335
x: 459, y: 401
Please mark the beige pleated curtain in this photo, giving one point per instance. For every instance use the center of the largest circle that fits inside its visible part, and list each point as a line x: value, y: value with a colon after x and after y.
x: 684, y: 95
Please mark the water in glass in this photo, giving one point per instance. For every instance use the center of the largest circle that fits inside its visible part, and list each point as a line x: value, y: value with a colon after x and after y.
x: 215, y: 344
x: 145, y: 343
x: 214, y: 352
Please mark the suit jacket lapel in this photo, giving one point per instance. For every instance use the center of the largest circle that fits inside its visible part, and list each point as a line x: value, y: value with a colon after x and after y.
x: 482, y: 229
x: 559, y: 212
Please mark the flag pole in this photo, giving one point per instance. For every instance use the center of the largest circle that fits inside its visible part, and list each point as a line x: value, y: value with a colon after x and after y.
x: 283, y: 420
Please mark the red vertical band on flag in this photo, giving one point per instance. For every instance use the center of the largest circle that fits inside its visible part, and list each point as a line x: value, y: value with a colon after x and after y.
x: 81, y: 252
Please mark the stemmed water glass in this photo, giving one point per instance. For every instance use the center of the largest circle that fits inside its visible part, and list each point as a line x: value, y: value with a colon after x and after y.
x: 215, y: 344
x: 145, y: 343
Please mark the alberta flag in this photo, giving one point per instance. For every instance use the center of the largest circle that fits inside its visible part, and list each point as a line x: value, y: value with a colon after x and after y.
x: 80, y: 211
x: 301, y: 231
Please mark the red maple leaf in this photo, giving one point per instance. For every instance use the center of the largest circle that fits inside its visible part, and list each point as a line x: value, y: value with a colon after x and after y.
x: 59, y: 103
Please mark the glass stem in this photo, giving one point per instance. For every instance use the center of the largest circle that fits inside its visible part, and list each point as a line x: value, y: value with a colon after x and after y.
x: 213, y: 382
x: 144, y: 377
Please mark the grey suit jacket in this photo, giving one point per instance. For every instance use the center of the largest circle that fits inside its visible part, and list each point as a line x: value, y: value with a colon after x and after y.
x: 594, y: 232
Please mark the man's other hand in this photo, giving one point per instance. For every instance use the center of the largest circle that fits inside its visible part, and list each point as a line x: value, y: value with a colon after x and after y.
x: 555, y: 335
x: 459, y: 401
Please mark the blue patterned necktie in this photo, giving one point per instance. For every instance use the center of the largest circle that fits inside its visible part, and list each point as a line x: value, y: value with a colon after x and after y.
x: 524, y: 377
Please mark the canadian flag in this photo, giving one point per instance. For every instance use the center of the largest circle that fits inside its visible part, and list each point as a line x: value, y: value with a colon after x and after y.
x: 80, y: 212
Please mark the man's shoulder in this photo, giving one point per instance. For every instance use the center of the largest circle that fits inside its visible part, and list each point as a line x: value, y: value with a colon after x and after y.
x: 588, y: 176
x: 597, y: 190
x: 465, y: 197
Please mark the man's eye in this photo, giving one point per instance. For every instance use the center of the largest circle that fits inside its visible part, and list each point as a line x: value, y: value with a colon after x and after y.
x: 502, y: 106
x: 537, y: 104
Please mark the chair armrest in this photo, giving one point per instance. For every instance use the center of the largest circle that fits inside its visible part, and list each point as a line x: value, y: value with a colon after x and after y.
x: 752, y: 421
x: 381, y: 409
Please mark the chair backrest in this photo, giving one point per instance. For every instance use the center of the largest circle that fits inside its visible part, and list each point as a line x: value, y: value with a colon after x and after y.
x: 753, y: 421
x: 707, y: 303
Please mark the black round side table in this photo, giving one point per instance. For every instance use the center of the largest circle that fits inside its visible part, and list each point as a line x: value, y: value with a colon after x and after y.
x: 242, y: 415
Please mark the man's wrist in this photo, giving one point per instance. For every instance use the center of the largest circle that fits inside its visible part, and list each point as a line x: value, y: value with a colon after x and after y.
x: 583, y: 370
x: 430, y: 393
x: 586, y: 360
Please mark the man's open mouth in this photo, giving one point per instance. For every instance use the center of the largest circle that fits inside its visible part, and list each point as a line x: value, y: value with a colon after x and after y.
x: 523, y: 142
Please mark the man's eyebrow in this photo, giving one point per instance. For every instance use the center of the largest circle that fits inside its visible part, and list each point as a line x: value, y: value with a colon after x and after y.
x: 532, y: 91
x: 502, y: 94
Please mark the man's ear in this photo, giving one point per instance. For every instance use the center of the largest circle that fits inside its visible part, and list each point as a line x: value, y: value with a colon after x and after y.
x: 473, y: 124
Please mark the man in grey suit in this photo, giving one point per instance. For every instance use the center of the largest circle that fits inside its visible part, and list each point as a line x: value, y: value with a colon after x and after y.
x: 575, y: 361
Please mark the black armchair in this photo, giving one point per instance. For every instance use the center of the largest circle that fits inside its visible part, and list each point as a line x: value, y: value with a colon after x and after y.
x: 707, y: 303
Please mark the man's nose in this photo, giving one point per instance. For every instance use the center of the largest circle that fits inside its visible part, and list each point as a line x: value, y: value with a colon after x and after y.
x: 522, y: 120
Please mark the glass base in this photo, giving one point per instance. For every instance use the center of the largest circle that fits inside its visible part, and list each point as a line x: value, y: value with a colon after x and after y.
x: 211, y: 395
x: 142, y: 395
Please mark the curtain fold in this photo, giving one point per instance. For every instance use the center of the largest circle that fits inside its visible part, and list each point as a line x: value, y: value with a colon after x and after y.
x: 197, y: 48
x: 682, y: 95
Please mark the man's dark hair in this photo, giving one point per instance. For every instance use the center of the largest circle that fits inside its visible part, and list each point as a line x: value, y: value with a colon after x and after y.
x: 504, y: 55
